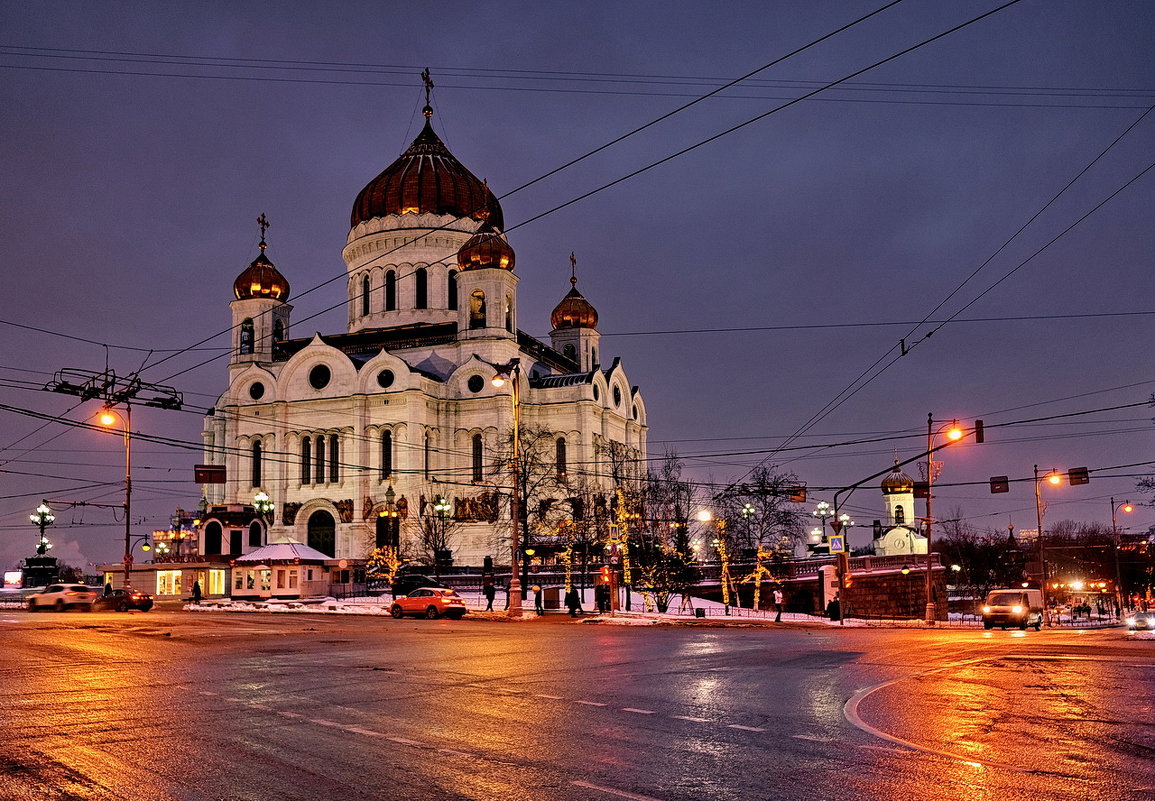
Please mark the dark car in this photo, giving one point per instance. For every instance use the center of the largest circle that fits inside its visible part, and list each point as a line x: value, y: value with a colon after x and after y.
x: 405, y: 583
x: 123, y: 600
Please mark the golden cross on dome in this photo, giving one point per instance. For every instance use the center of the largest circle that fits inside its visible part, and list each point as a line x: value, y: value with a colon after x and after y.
x: 428, y: 110
x: 263, y: 221
x: 572, y: 268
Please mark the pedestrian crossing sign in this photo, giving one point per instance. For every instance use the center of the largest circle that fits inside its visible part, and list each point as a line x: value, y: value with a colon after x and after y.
x: 838, y: 544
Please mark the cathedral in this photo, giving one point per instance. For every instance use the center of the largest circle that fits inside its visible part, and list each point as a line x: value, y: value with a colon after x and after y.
x: 899, y: 535
x: 362, y: 437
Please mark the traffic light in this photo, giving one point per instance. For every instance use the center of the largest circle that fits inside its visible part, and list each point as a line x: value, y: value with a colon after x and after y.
x: 978, y: 431
x: 604, y: 576
x: 1000, y: 484
x: 798, y: 494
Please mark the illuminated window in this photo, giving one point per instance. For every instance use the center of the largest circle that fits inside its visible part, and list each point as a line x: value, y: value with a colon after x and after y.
x: 477, y: 309
x: 216, y: 582
x: 168, y: 582
x: 246, y: 342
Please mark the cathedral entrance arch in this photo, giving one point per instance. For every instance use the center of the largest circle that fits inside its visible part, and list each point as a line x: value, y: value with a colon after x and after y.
x: 322, y: 532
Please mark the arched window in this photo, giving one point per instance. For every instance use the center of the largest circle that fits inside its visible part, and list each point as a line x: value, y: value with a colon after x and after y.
x: 570, y: 352
x: 364, y: 296
x: 256, y: 465
x: 594, y: 356
x: 322, y: 532
x: 427, y: 444
x: 246, y: 342
x: 561, y: 459
x: 386, y: 454
x: 334, y: 458
x: 421, y: 289
x: 451, y: 289
x: 256, y: 534
x: 478, y: 465
x: 509, y: 313
x: 214, y: 535
x: 306, y: 460
x: 390, y: 291
x: 477, y: 309
x: 319, y: 460
x: 278, y: 331
x: 899, y: 515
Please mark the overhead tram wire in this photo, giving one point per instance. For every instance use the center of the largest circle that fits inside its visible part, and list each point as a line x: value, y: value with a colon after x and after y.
x: 851, y: 389
x: 572, y: 162
x: 668, y: 158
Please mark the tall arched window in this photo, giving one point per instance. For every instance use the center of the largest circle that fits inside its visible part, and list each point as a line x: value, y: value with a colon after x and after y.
x: 214, y: 536
x: 306, y: 460
x: 319, y: 460
x: 427, y: 444
x: 478, y: 464
x: 390, y: 291
x: 451, y: 289
x: 256, y: 534
x: 278, y: 331
x: 561, y: 468
x: 899, y: 515
x: 477, y: 309
x: 386, y: 454
x: 246, y: 341
x: 421, y: 288
x: 364, y: 296
x: 322, y: 533
x: 509, y: 314
x: 334, y: 458
x: 256, y: 465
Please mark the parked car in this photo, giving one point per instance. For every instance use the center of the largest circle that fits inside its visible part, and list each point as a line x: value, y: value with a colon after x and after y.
x: 1141, y: 621
x: 405, y: 583
x: 430, y: 602
x: 63, y: 596
x: 123, y: 600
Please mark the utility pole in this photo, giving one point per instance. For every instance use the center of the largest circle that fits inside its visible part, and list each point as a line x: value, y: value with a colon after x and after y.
x: 114, y: 391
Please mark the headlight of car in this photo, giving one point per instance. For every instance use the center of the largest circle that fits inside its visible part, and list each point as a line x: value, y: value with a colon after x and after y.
x: 986, y: 610
x: 1131, y: 622
x: 1018, y: 610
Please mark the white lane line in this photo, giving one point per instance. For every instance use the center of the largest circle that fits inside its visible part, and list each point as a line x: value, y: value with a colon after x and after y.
x: 743, y: 728
x: 234, y: 700
x: 206, y: 692
x: 551, y: 697
x: 323, y: 722
x: 813, y: 738
x: 612, y: 791
x: 367, y: 732
x: 638, y: 711
x: 687, y: 717
x: 403, y: 741
x: 590, y: 703
x: 290, y: 715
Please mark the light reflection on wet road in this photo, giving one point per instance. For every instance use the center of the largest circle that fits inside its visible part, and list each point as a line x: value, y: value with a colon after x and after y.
x: 180, y: 706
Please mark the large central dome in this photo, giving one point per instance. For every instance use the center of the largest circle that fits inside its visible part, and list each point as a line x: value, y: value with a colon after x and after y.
x: 427, y: 178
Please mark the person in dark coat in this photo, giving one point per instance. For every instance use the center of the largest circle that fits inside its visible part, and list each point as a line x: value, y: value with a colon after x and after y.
x: 490, y: 593
x: 196, y: 592
x: 573, y: 602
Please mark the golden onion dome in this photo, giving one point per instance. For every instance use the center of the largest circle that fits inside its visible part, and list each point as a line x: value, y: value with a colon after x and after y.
x: 486, y: 249
x: 897, y: 482
x: 574, y: 311
x: 261, y: 279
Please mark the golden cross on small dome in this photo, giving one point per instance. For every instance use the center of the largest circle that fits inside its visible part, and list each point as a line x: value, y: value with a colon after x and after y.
x: 263, y: 221
x: 572, y: 268
x: 428, y: 110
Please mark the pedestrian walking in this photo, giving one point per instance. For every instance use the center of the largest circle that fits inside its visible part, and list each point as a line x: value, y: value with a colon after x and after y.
x: 537, y: 599
x: 574, y: 603
x: 490, y: 593
x: 196, y: 592
x: 778, y: 604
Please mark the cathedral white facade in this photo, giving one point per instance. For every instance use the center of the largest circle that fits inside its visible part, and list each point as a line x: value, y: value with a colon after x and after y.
x: 355, y: 436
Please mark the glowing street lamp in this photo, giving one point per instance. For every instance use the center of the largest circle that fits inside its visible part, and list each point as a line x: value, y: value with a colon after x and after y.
x: 264, y: 506
x: 511, y: 372
x: 1128, y: 508
x: 109, y: 418
x: 42, y: 519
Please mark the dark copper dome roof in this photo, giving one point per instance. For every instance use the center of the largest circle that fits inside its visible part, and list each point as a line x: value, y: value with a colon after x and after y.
x: 574, y: 311
x: 261, y: 280
x: 427, y: 178
x: 897, y: 481
x: 485, y: 249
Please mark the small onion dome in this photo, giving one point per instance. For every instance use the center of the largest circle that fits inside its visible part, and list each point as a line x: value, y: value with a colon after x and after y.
x: 574, y: 311
x: 261, y: 280
x: 426, y: 178
x: 897, y: 482
x: 485, y: 249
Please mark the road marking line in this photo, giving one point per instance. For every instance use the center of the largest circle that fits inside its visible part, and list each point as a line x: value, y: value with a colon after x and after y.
x: 451, y: 752
x: 692, y: 720
x: 359, y: 730
x: 743, y: 728
x: 590, y: 703
x: 234, y: 700
x: 206, y: 692
x: 551, y: 697
x: 323, y: 722
x: 638, y: 711
x: 290, y: 715
x: 611, y: 791
x: 403, y: 741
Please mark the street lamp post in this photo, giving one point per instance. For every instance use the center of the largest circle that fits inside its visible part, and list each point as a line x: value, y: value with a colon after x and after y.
x: 822, y: 510
x: 264, y: 507
x: 1128, y: 508
x: 108, y: 418
x: 441, y: 509
x: 512, y: 372
x: 43, y: 519
x: 954, y: 433
x: 1054, y: 478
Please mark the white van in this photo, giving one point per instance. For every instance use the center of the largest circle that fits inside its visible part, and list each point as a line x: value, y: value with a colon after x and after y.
x: 1013, y: 607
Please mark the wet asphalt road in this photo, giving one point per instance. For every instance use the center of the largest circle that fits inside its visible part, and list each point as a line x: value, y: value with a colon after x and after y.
x: 174, y: 705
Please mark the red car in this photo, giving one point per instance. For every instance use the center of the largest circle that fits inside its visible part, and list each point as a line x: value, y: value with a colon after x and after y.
x: 429, y: 602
